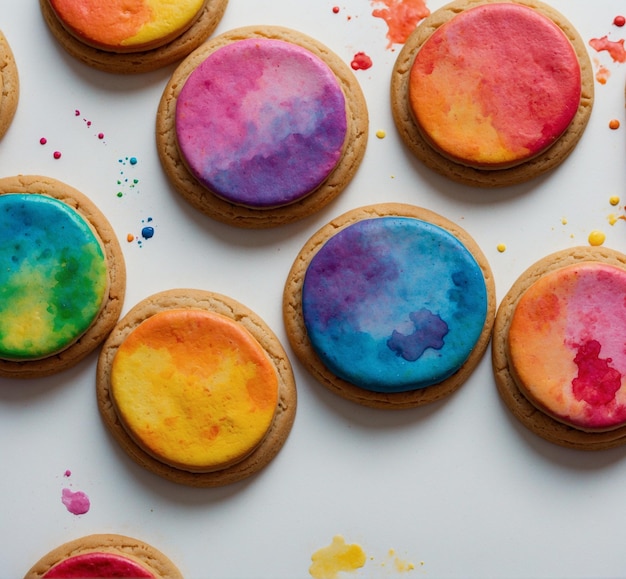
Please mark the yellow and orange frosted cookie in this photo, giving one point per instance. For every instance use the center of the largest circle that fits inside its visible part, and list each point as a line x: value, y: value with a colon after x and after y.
x: 101, y: 556
x: 196, y: 388
x: 131, y: 36
x: 261, y: 126
x: 9, y: 85
x: 492, y: 93
x: 62, y: 276
x: 558, y: 348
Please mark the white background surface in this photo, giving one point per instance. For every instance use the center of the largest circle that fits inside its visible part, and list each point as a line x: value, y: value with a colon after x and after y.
x: 457, y: 488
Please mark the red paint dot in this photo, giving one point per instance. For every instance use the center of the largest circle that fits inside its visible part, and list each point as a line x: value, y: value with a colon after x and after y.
x: 77, y: 113
x: 101, y: 135
x: 613, y: 124
x: 361, y: 61
x: 43, y: 141
x: 57, y: 154
x: 619, y: 21
x: 335, y: 9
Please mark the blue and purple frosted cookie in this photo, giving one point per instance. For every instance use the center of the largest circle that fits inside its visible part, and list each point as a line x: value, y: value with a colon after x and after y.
x: 390, y: 305
x: 62, y: 276
x: 261, y: 126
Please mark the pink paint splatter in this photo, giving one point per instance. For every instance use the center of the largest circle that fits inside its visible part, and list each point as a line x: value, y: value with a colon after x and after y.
x: 57, y: 154
x: 361, y: 61
x: 401, y: 16
x: 43, y: 141
x: 76, y: 503
x: 615, y: 48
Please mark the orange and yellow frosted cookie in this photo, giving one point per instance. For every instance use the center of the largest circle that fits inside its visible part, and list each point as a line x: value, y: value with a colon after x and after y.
x: 128, y: 36
x: 196, y: 388
x: 492, y: 93
x: 559, y: 355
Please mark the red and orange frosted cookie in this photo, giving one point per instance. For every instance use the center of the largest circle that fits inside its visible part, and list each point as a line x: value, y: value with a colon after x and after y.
x: 492, y: 93
x: 196, y: 388
x: 261, y: 126
x: 558, y: 351
x: 104, y: 555
x: 131, y: 36
x: 9, y: 85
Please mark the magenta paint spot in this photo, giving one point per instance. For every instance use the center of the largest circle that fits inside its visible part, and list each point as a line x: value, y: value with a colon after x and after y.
x: 77, y: 113
x: 101, y: 135
x: 97, y: 565
x: 596, y: 383
x: 67, y: 473
x: 76, y: 503
x: 57, y: 154
x: 43, y: 141
x: 361, y: 61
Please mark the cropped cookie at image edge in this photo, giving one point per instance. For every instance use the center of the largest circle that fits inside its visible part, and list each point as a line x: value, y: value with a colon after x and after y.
x: 104, y: 555
x: 9, y: 85
x: 62, y: 280
x: 131, y: 42
x: 558, y: 351
x: 294, y: 136
x: 390, y: 306
x: 196, y: 388
x: 503, y: 123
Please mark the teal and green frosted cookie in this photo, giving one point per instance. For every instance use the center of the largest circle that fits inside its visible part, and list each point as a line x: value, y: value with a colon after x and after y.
x: 62, y: 276
x: 390, y: 305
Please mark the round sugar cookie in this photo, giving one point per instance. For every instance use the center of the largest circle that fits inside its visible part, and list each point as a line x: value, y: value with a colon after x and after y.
x: 293, y: 137
x: 104, y: 555
x: 196, y: 388
x: 390, y: 306
x: 62, y: 276
x: 9, y: 85
x: 151, y: 35
x: 477, y: 101
x: 558, y: 349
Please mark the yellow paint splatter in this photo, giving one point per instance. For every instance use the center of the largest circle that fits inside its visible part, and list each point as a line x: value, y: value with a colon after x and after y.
x: 614, y: 200
x: 381, y: 134
x: 612, y: 219
x: 501, y: 247
x: 337, y: 557
x: 596, y: 237
x: 564, y: 220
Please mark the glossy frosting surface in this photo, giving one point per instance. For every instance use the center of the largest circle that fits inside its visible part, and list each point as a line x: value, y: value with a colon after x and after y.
x: 394, y: 304
x: 53, y: 276
x: 495, y: 86
x: 261, y: 122
x: 98, y: 566
x: 194, y: 388
x: 566, y: 345
x: 126, y: 23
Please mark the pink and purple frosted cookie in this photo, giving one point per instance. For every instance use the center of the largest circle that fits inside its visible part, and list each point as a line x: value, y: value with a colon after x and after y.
x: 261, y: 126
x: 104, y: 556
x: 558, y: 355
x: 390, y: 305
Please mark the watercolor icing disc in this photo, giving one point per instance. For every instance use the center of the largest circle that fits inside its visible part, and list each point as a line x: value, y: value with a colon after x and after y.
x: 54, y: 280
x: 566, y: 346
x: 393, y: 304
x: 261, y: 122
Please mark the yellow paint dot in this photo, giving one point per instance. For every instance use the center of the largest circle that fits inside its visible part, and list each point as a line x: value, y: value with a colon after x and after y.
x: 614, y: 200
x: 596, y: 238
x: 612, y: 219
x: 337, y: 557
x: 381, y: 134
x: 501, y: 247
x: 564, y: 220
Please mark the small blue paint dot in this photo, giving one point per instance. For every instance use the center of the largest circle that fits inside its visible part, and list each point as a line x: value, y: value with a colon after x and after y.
x: 133, y: 160
x: 147, y: 232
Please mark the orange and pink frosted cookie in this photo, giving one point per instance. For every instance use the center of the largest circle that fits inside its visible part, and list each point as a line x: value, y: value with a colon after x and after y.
x: 102, y: 556
x: 196, y: 388
x: 127, y: 36
x: 492, y: 93
x: 558, y: 353
x: 261, y: 126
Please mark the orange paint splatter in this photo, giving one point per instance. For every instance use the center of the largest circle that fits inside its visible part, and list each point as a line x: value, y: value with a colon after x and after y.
x: 613, y: 124
x: 401, y: 16
x: 602, y: 74
x: 615, y: 48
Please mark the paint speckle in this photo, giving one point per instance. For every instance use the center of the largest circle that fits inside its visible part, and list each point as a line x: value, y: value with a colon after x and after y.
x: 596, y: 238
x: 615, y: 48
x: 76, y: 503
x: 563, y: 220
x: 43, y: 141
x: 67, y: 473
x: 619, y: 21
x: 133, y: 160
x: 147, y: 232
x: 130, y: 238
x: 602, y: 73
x: 613, y: 124
x: 501, y: 247
x: 101, y: 136
x: 57, y: 154
x: 338, y: 557
x: 335, y: 9
x: 361, y: 61
x: 614, y: 200
x: 401, y: 16
x: 381, y: 134
x: 125, y: 183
